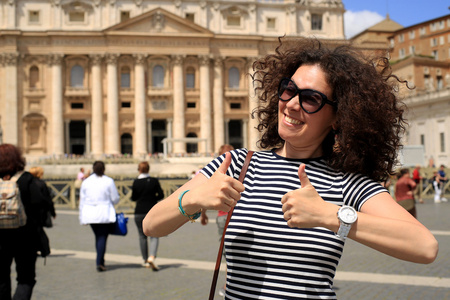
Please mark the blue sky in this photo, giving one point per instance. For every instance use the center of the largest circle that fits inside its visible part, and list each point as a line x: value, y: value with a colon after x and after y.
x: 362, y: 14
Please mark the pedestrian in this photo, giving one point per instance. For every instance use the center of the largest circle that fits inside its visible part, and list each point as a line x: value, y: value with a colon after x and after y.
x: 442, y: 181
x: 98, y: 195
x: 404, y: 192
x: 146, y: 191
x: 221, y: 215
x: 437, y: 184
x: 331, y: 122
x: 49, y: 211
x: 20, y: 244
x: 80, y: 177
x: 418, y: 180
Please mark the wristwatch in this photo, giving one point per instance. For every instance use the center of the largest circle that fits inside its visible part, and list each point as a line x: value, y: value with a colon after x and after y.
x: 347, y: 216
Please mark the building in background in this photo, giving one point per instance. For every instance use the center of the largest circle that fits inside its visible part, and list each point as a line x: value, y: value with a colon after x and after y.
x: 108, y: 77
x: 420, y: 54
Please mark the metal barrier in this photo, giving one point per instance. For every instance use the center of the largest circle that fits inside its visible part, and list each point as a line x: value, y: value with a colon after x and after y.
x: 65, y: 195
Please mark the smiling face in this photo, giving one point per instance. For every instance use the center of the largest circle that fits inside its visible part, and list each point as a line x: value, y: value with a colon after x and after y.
x: 304, y: 133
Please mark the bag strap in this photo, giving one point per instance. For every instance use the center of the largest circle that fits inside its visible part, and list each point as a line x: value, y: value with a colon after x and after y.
x: 222, y: 241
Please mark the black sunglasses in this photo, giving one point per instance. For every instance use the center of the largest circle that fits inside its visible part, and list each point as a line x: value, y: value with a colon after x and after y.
x: 311, y: 101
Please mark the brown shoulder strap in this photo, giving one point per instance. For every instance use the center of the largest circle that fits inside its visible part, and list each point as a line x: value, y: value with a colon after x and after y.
x: 219, y: 254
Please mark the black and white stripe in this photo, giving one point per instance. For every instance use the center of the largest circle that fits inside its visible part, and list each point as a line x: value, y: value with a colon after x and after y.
x: 265, y: 258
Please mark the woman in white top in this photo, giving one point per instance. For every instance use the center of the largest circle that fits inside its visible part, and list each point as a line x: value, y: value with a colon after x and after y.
x: 98, y: 195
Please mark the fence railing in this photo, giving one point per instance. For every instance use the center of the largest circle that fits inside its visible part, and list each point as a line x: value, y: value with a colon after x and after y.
x: 65, y: 195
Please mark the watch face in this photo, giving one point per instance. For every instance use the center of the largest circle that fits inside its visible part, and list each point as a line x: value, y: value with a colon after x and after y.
x: 348, y: 214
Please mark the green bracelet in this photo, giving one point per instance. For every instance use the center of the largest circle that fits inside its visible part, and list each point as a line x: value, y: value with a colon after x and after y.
x: 193, y: 217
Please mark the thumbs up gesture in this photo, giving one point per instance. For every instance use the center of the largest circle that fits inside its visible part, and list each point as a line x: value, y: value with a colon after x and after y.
x: 220, y: 192
x: 304, y: 208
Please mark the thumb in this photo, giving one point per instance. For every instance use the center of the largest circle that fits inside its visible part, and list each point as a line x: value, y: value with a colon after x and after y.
x: 225, y: 164
x: 304, y: 180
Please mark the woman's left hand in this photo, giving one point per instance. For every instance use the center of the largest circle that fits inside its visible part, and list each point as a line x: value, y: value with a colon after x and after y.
x: 304, y: 208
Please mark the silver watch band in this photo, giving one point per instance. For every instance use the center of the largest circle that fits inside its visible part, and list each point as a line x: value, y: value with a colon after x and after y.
x: 343, y: 231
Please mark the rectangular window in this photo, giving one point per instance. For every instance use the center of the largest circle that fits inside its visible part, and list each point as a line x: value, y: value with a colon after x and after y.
x: 441, y: 40
x: 191, y: 105
x: 126, y: 104
x: 412, y: 49
x: 124, y: 15
x: 271, y: 23
x: 402, y: 53
x: 33, y: 17
x: 435, y: 54
x: 412, y: 34
x: 234, y: 21
x: 401, y: 38
x: 235, y: 105
x: 422, y: 140
x: 316, y: 22
x: 422, y: 31
x: 433, y: 42
x: 442, y: 141
x: 76, y: 16
x: 76, y: 105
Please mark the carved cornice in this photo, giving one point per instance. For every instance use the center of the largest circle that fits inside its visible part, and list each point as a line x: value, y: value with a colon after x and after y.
x: 96, y: 59
x: 204, y: 60
x: 178, y: 59
x: 111, y: 58
x: 10, y: 59
x: 139, y: 59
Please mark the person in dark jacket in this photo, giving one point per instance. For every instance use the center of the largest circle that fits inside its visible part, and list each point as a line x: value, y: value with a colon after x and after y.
x: 20, y: 244
x: 146, y: 191
x: 38, y: 173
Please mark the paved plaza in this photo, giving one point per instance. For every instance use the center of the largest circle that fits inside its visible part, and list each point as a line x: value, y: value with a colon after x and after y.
x: 187, y: 257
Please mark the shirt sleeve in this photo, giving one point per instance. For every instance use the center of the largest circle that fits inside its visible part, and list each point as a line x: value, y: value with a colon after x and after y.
x: 358, y: 189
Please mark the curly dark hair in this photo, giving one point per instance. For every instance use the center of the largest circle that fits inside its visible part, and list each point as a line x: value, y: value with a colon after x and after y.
x: 11, y: 160
x: 369, y: 116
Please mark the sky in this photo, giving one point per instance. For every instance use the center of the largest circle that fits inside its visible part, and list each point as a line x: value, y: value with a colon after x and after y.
x: 361, y: 14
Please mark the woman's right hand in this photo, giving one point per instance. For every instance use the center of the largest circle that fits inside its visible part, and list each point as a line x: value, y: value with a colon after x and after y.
x: 220, y: 192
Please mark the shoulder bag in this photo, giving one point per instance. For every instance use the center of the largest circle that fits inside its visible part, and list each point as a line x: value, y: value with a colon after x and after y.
x: 219, y: 254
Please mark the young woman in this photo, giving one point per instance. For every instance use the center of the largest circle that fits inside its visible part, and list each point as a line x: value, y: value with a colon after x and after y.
x: 333, y: 124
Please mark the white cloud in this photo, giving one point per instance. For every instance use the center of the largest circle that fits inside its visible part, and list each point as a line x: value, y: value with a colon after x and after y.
x: 358, y: 21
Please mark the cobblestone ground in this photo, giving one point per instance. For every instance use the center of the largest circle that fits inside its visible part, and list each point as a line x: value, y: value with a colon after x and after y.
x: 187, y: 258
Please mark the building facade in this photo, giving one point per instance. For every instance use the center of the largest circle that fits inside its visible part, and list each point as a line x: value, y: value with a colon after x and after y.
x: 109, y: 77
x: 421, y: 55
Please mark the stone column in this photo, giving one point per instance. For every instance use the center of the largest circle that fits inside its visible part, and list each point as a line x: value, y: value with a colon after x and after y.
x: 205, y: 103
x: 97, y: 136
x: 219, y: 130
x: 113, y: 143
x: 140, y: 138
x: 253, y: 133
x: 57, y: 105
x: 178, y: 104
x: 11, y: 116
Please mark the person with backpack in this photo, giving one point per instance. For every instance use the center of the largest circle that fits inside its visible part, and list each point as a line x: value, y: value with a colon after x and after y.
x: 18, y: 240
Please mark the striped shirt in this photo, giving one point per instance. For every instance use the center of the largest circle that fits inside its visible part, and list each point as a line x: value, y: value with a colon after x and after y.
x: 266, y: 259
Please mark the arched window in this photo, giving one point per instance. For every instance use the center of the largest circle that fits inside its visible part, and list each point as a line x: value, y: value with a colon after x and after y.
x: 34, y: 77
x: 77, y: 76
x: 190, y: 78
x: 233, y: 78
x: 158, y: 76
x: 125, y: 77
